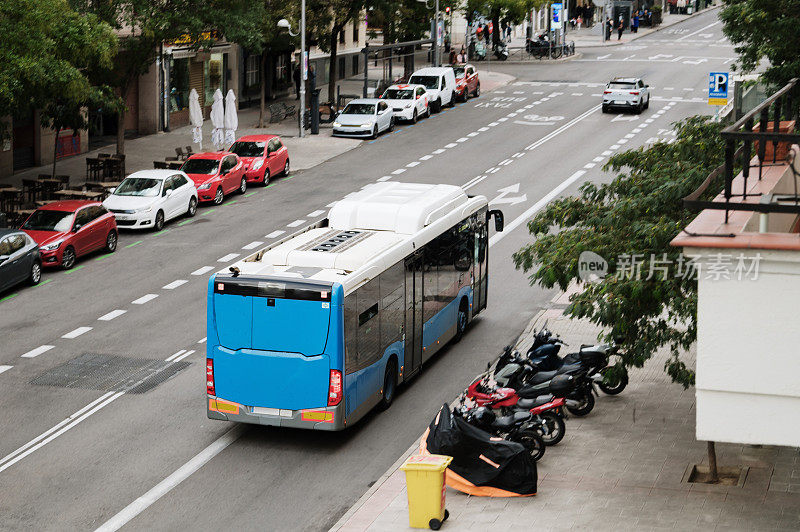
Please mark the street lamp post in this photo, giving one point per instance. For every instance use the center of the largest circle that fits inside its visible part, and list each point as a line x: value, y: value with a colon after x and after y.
x: 283, y: 23
x: 435, y: 32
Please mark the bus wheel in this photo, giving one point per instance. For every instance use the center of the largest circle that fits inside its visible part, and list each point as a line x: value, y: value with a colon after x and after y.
x: 389, y: 385
x: 461, y: 320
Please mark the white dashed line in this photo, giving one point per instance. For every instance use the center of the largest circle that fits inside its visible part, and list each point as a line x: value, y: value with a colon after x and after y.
x: 384, y: 178
x: 175, y: 284
x: 202, y: 340
x: 111, y: 315
x: 492, y: 124
x: 574, y: 94
x: 316, y: 213
x: 230, y: 256
x: 511, y: 115
x: 331, y: 204
x: 435, y: 152
x: 252, y: 245
x: 640, y: 125
x: 502, y: 119
x: 202, y: 271
x: 295, y: 223
x: 649, y: 120
x: 77, y: 332
x: 3, y: 369
x: 597, y: 159
x: 274, y: 234
x: 173, y: 356
x: 496, y: 92
x: 413, y: 164
x: 399, y: 171
x: 688, y: 89
x: 38, y: 351
x: 426, y: 157
x: 589, y: 165
x: 629, y: 136
x: 186, y: 354
x: 451, y: 145
x: 614, y: 147
x: 622, y: 141
x: 463, y: 139
x: 505, y: 162
x: 607, y: 153
x: 637, y: 130
x: 144, y: 299
x: 665, y: 88
x: 473, y: 134
x: 515, y: 92
x: 484, y: 128
x: 492, y: 170
x: 518, y: 155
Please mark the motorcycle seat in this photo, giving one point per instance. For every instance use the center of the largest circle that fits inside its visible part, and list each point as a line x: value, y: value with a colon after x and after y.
x: 531, y: 391
x: 527, y: 404
x: 542, y: 376
x: 511, y: 419
x: 569, y: 368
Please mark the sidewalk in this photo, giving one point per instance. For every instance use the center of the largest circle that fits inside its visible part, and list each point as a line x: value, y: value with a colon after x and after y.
x: 619, y: 468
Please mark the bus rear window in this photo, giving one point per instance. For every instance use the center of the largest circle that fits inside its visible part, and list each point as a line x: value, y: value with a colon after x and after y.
x: 244, y: 286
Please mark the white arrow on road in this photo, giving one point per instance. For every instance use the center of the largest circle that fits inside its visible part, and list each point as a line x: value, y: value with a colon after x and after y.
x: 623, y: 118
x: 660, y: 56
x: 603, y: 56
x: 502, y: 199
x: 696, y: 62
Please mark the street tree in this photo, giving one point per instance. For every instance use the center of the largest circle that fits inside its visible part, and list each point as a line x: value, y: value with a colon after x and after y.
x: 501, y: 12
x: 650, y: 296
x: 764, y: 31
x: 45, y: 52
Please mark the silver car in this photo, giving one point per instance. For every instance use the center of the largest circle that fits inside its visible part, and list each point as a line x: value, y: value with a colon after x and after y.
x: 19, y: 259
x: 366, y: 117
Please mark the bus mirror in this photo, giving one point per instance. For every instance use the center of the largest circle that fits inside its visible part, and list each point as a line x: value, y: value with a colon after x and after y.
x: 498, y: 220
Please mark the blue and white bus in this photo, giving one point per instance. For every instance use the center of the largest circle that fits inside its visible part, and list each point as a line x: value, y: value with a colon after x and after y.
x: 317, y: 329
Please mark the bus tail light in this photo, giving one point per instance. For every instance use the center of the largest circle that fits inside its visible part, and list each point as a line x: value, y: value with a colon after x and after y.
x: 335, y: 388
x: 210, y: 376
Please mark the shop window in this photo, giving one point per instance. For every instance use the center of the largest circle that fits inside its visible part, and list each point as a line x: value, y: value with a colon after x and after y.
x: 212, y: 75
x: 252, y: 71
x: 281, y: 69
x: 179, y: 84
x: 341, y: 37
x: 355, y: 64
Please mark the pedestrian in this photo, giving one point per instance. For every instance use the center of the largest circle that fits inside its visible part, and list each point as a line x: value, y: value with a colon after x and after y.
x: 620, y: 28
x: 452, y: 57
x: 609, y: 27
x: 296, y: 76
x: 579, y: 21
x: 462, y: 56
x: 635, y: 25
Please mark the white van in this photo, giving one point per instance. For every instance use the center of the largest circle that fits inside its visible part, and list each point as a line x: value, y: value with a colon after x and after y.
x: 439, y: 82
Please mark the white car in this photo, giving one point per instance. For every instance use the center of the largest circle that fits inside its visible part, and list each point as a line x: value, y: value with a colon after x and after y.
x: 365, y: 117
x: 408, y: 102
x: 147, y: 199
x: 626, y: 93
x: 440, y: 82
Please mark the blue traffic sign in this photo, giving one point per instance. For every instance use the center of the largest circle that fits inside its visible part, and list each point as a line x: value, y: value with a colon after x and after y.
x: 718, y: 88
x: 557, y: 13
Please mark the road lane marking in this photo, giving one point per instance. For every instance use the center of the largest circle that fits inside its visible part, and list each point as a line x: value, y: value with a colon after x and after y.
x: 589, y: 165
x: 230, y: 256
x: 518, y: 155
x: 111, y: 315
x: 275, y: 234
x: 482, y: 129
x: 503, y: 119
x: 437, y: 152
x: 144, y: 299
x: 134, y: 244
x: 412, y: 164
x: 597, y: 159
x: 175, y: 284
x: 172, y: 357
x: 492, y: 124
x: 169, y: 483
x: 473, y: 134
x: 607, y: 153
x: 202, y: 340
x: 296, y: 223
x: 451, y: 145
x: 426, y: 157
x: 562, y: 128
x: 698, y: 31
x: 208, y: 212
x: 637, y: 130
x: 203, y: 270
x: 252, y: 245
x: 629, y: 136
x: 314, y: 214
x: 5, y: 368
x: 463, y: 139
x: 38, y: 351
x: 384, y: 178
x: 614, y: 147
x: 186, y: 354
x: 77, y: 332
x: 53, y: 433
x: 399, y: 171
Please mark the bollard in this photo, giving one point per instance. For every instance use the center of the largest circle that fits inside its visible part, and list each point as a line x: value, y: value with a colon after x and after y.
x: 315, y: 111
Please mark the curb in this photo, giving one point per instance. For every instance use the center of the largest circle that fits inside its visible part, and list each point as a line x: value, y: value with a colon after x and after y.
x: 659, y: 28
x: 576, y: 55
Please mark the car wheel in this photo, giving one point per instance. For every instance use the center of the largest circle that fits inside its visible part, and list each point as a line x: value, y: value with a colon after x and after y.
x: 243, y: 186
x: 158, y: 224
x: 219, y: 197
x: 36, y: 273
x: 68, y: 258
x: 477, y: 90
x: 414, y: 117
x: 286, y: 169
x: 192, y: 210
x: 375, y: 131
x: 605, y: 109
x: 266, y: 177
x: 391, y: 124
x: 647, y: 104
x: 640, y: 108
x: 111, y: 241
x: 437, y: 105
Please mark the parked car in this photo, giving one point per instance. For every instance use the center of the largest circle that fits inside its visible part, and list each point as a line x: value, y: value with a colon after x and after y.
x: 66, y: 230
x: 365, y: 117
x: 147, y: 199
x: 216, y: 175
x: 408, y: 102
x: 440, y: 82
x: 264, y: 157
x: 467, y: 82
x: 626, y: 93
x: 19, y: 259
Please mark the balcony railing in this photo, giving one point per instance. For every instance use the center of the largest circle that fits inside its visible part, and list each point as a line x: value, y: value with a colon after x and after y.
x: 739, y: 150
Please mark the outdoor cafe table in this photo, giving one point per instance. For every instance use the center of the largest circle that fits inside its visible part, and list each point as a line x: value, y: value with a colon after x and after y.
x: 174, y: 165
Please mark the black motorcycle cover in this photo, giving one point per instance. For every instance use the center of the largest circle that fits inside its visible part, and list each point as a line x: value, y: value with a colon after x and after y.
x: 483, y: 465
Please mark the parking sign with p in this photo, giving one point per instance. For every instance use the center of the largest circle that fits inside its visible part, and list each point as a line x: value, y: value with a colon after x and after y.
x: 718, y: 88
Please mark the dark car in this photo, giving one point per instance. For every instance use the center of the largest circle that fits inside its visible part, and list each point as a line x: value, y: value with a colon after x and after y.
x: 19, y: 259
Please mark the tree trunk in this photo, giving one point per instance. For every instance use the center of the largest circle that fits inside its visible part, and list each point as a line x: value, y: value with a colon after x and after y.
x: 332, y: 63
x: 263, y: 102
x: 712, y: 463
x: 495, y: 28
x: 55, y: 151
x: 124, y: 90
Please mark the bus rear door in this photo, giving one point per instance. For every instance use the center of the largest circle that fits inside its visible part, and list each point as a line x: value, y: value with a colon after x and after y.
x: 413, y: 324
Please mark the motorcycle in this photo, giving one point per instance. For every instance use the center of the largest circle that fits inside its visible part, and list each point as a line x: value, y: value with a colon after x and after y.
x: 501, y: 51
x: 480, y: 51
x: 516, y: 427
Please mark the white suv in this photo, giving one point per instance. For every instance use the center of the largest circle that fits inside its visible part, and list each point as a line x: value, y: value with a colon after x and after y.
x: 626, y: 93
x: 440, y: 84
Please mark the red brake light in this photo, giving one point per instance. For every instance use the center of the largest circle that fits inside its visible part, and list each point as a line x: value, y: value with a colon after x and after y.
x: 635, y: 93
x: 210, y: 376
x: 335, y: 388
x: 606, y: 92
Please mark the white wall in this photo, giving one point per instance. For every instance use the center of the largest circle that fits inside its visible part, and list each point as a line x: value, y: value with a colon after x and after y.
x: 748, y: 351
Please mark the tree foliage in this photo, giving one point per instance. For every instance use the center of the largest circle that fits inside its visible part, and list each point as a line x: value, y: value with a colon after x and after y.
x: 765, y: 30
x: 638, y: 213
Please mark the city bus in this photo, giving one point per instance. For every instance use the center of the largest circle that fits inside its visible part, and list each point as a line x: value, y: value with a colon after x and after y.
x: 317, y: 329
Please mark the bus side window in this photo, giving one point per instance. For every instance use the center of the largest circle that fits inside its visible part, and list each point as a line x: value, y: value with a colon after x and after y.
x: 392, y: 284
x: 368, y: 324
x: 350, y: 334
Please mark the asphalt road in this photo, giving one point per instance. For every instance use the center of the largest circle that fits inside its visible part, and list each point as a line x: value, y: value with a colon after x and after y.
x: 71, y: 459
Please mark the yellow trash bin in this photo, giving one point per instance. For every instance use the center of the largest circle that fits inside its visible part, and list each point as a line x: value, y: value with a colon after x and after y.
x: 425, y: 483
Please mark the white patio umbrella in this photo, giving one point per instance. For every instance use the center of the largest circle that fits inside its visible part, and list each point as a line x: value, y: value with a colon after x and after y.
x: 196, y: 119
x: 231, y: 118
x: 218, y: 121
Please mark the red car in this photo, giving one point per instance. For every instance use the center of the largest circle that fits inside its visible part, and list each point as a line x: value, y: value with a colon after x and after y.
x: 264, y: 157
x: 66, y: 230
x: 216, y: 175
x: 467, y: 82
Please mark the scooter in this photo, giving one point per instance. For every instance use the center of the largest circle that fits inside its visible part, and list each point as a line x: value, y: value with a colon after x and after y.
x: 501, y: 51
x: 516, y: 427
x: 480, y: 51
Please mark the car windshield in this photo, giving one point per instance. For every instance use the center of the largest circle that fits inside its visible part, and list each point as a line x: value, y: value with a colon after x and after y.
x: 621, y: 85
x: 46, y: 220
x: 399, y: 94
x: 459, y: 71
x: 359, y: 109
x: 430, y: 82
x: 248, y: 149
x: 138, y: 186
x: 201, y: 166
